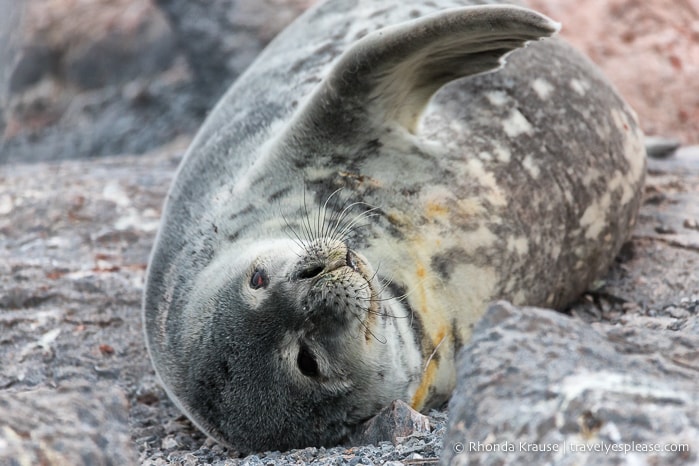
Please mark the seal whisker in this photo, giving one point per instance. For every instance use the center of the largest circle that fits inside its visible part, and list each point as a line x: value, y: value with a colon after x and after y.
x: 380, y: 338
x: 319, y: 221
x: 353, y: 225
x: 328, y: 222
x: 431, y: 356
x: 294, y: 236
x: 339, y: 227
x: 306, y: 221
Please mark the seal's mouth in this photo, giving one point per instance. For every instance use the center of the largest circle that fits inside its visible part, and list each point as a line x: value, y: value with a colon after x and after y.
x: 360, y: 266
x: 342, y: 287
x: 350, y: 260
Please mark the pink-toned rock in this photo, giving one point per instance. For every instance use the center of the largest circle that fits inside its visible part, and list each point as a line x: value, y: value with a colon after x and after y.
x: 649, y: 49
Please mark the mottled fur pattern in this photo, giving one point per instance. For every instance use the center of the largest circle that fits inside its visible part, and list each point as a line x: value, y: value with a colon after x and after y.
x: 335, y: 231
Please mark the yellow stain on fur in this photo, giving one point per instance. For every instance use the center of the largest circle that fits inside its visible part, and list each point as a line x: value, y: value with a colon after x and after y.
x: 428, y: 374
x: 435, y: 209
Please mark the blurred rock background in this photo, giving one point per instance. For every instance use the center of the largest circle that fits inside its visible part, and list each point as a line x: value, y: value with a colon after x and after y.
x: 650, y: 51
x: 86, y: 78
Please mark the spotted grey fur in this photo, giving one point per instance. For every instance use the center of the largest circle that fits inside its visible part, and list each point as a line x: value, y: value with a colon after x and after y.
x: 326, y: 246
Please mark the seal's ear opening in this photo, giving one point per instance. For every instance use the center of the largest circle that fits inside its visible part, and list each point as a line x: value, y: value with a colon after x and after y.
x: 391, y: 74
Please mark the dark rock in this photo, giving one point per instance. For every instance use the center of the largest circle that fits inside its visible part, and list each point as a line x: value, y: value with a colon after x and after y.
x: 684, y: 160
x: 391, y: 424
x: 120, y: 56
x: 104, y: 122
x: 35, y: 63
x: 10, y: 44
x: 221, y: 38
x: 69, y: 83
x: 538, y: 387
x: 661, y: 148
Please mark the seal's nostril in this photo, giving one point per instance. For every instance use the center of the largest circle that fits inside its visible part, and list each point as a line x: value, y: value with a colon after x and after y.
x: 310, y: 272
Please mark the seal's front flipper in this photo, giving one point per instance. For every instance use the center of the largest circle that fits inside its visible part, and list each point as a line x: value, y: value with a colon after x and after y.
x: 391, y: 74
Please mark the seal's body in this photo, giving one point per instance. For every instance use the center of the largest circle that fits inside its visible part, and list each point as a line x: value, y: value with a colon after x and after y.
x: 327, y: 245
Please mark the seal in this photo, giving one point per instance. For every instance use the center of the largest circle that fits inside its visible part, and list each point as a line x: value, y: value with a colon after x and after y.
x: 351, y: 205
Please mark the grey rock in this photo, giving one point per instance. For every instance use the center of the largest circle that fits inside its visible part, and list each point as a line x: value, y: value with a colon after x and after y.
x: 10, y: 43
x: 68, y: 92
x: 392, y: 424
x: 220, y: 38
x: 75, y: 424
x: 35, y: 62
x: 127, y: 91
x: 121, y: 56
x: 660, y: 148
x: 109, y: 121
x: 74, y: 242
x: 684, y: 160
x: 538, y: 387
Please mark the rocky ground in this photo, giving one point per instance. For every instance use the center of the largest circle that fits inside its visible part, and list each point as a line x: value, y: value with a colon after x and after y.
x: 76, y: 386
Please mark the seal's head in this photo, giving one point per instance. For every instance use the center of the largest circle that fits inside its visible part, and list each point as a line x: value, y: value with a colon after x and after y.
x: 295, y: 331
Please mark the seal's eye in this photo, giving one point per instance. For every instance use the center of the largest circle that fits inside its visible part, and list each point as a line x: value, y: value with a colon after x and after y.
x: 259, y: 279
x: 307, y: 363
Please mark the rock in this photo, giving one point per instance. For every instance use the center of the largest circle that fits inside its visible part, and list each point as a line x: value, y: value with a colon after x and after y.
x: 538, y: 387
x: 221, y: 38
x: 663, y: 90
x: 74, y: 243
x: 11, y: 21
x: 119, y: 57
x: 660, y: 148
x: 72, y: 425
x: 67, y: 85
x: 123, y: 39
x: 35, y: 62
x: 391, y: 424
x: 118, y: 83
x: 114, y: 82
